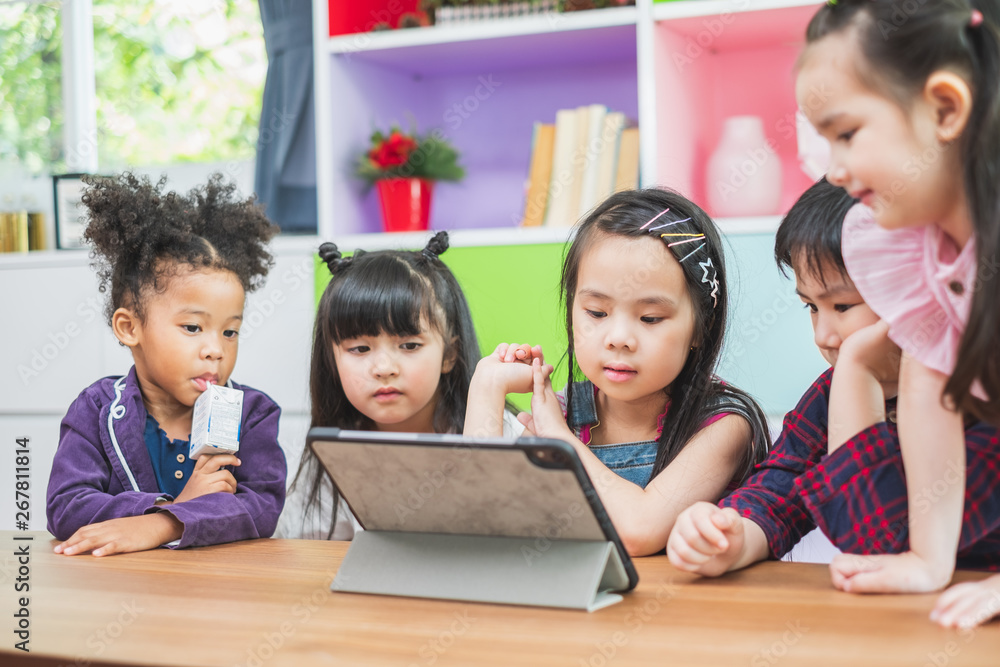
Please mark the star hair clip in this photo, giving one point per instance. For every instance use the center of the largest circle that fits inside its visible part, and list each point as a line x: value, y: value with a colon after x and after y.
x: 710, y: 276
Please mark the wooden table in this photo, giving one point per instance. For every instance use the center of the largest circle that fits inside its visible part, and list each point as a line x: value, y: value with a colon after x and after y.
x: 267, y: 603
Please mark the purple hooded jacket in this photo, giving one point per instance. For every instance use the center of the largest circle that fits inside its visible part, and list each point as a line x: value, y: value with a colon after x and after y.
x: 102, y: 469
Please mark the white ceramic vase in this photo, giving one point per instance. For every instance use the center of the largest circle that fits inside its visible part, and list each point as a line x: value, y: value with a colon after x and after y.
x: 744, y: 172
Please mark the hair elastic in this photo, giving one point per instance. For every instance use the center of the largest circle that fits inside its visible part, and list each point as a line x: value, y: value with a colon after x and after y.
x: 436, y: 246
x: 976, y: 19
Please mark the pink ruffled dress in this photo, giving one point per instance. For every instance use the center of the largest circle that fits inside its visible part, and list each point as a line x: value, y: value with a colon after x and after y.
x: 916, y: 280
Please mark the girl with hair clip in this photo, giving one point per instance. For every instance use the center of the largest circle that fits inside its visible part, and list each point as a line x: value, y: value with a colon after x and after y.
x: 393, y: 350
x: 644, y: 287
x: 179, y: 269
x: 912, y: 112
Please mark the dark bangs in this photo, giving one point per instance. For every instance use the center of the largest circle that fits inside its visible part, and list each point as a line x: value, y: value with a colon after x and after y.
x: 379, y: 296
x: 810, y: 234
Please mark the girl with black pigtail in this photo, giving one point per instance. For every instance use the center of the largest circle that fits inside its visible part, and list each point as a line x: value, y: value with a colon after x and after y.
x: 393, y: 350
x: 909, y: 97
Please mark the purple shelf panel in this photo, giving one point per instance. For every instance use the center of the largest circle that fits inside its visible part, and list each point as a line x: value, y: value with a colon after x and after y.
x: 570, y: 47
x: 490, y: 119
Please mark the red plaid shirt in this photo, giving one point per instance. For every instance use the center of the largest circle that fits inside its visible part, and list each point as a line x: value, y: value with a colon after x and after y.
x: 857, y: 495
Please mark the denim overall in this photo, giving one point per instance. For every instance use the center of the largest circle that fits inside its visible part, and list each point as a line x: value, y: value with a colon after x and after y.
x: 631, y: 460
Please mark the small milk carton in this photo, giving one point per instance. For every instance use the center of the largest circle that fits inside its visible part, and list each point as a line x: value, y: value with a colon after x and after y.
x: 215, y: 425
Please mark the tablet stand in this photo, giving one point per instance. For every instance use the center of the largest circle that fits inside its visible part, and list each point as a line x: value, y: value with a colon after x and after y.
x: 574, y: 574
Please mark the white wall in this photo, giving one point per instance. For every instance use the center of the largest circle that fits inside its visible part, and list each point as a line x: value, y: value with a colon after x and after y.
x: 55, y: 342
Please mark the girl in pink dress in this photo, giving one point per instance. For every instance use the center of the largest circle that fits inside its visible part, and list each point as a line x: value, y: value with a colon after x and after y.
x: 909, y: 101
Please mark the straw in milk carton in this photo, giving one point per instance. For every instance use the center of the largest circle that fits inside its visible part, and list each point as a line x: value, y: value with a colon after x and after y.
x: 215, y: 425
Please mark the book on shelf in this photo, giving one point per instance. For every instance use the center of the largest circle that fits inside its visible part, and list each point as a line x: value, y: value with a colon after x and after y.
x: 539, y: 174
x: 14, y: 232
x: 21, y: 240
x: 611, y: 134
x: 579, y: 163
x: 36, y: 231
x: 6, y: 232
x: 557, y: 211
x: 587, y: 155
x: 593, y: 152
x: 627, y: 173
x: 21, y: 231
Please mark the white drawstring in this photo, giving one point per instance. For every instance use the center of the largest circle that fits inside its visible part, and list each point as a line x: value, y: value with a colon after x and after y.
x: 117, y: 412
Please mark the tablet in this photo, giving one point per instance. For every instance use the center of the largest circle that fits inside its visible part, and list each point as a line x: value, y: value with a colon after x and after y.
x: 453, y: 485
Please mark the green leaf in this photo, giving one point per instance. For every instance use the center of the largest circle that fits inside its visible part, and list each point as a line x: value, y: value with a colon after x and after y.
x: 153, y: 108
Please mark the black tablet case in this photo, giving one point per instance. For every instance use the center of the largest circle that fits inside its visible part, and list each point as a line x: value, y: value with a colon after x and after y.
x: 480, y: 520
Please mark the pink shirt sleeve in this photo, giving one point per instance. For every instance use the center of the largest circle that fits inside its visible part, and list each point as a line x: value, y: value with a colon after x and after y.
x: 915, y: 279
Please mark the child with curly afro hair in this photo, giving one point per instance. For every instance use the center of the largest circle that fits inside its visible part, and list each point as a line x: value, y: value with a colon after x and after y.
x: 178, y: 268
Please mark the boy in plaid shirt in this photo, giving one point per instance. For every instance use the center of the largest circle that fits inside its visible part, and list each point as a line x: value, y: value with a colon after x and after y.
x: 825, y: 470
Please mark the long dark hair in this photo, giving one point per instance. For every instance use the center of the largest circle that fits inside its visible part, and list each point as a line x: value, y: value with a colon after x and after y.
x: 696, y: 389
x: 386, y: 292
x: 904, y: 45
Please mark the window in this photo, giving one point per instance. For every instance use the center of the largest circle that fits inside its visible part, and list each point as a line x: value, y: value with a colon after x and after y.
x: 158, y: 86
x: 177, y: 81
x: 31, y: 107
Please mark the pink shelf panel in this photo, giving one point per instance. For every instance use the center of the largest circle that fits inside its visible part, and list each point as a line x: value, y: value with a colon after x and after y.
x: 740, y: 74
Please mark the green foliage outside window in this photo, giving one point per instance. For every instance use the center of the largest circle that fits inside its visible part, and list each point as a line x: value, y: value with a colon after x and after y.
x: 31, y: 112
x: 177, y: 81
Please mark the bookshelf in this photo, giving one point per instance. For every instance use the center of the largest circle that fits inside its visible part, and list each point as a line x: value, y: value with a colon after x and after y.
x: 678, y: 68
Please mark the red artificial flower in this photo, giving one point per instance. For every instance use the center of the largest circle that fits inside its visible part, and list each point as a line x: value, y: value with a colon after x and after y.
x: 394, y: 151
x: 394, y: 155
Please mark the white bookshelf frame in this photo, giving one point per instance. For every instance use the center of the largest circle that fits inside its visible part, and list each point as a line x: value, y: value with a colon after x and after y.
x: 645, y: 16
